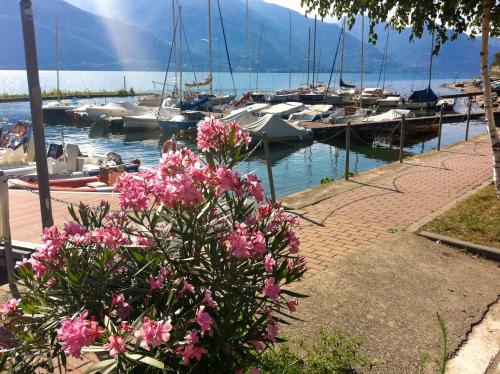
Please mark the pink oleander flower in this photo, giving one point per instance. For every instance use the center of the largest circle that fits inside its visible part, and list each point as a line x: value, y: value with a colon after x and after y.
x: 213, y: 133
x: 293, y: 241
x: 245, y: 244
x: 78, y: 333
x: 254, y: 371
x: 271, y: 332
x: 153, y: 333
x: 74, y: 228
x: 110, y: 237
x: 135, y: 190
x: 292, y: 305
x: 116, y: 345
x: 258, y: 345
x: 192, y: 337
x: 204, y: 320
x: 191, y: 351
x: 207, y: 300
x: 125, y: 328
x: 255, y: 187
x: 226, y: 179
x: 9, y: 307
x: 123, y: 308
x: 271, y: 289
x: 155, y: 283
x: 186, y: 287
x: 269, y: 263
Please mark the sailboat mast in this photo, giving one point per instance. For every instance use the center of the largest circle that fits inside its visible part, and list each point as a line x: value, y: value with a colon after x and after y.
x: 308, y: 54
x: 249, y: 50
x: 318, y: 68
x: 175, y: 91
x: 290, y: 50
x: 362, y: 50
x: 342, y: 51
x: 385, y: 59
x: 57, y: 61
x: 260, y: 47
x: 314, y: 50
x: 180, y: 57
x: 430, y: 64
x: 210, y: 43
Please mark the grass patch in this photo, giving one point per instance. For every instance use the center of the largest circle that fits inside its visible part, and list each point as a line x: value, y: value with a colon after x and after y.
x: 331, y: 354
x: 476, y: 219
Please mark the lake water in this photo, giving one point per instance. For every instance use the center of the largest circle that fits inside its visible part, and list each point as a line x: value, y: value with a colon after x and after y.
x: 295, y: 168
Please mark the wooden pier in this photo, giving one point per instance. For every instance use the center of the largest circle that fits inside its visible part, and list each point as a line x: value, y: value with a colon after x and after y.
x: 321, y: 129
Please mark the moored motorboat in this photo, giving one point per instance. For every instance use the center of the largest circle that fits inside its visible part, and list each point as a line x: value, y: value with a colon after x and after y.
x: 181, y: 121
x: 446, y: 104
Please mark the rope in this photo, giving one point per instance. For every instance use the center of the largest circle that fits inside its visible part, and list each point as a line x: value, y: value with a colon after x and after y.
x: 333, y: 136
x: 250, y: 153
x: 359, y: 138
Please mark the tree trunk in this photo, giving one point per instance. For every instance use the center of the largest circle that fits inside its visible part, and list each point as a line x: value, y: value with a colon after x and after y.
x: 488, y: 107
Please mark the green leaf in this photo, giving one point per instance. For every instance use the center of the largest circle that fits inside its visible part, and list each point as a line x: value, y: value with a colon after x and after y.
x: 101, y: 366
x: 146, y: 360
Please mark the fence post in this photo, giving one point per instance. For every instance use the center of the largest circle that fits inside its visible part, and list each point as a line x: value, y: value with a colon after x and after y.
x: 468, y: 119
x: 5, y: 228
x: 402, y: 138
x: 440, y: 128
x: 267, y: 153
x: 347, y: 149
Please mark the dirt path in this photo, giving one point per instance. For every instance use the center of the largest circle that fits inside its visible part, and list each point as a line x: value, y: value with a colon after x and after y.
x: 389, y: 295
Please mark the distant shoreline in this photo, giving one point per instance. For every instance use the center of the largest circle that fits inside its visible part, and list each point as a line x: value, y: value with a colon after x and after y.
x: 10, y: 98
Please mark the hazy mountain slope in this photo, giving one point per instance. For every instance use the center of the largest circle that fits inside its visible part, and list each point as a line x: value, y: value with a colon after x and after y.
x: 86, y: 40
x: 275, y: 43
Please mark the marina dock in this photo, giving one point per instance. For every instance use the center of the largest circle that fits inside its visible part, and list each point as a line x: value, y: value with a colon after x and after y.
x: 322, y: 129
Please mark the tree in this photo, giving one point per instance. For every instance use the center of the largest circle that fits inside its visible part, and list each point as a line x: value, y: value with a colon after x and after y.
x: 445, y: 19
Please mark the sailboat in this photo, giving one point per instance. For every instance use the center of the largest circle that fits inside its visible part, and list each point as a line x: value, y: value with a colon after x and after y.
x: 345, y: 92
x: 210, y: 97
x: 56, y: 110
x: 426, y: 98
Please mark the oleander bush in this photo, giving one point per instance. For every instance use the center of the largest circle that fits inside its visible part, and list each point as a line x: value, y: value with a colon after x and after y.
x: 190, y: 275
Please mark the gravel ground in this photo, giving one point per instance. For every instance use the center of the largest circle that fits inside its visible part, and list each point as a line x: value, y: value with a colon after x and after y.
x: 389, y: 296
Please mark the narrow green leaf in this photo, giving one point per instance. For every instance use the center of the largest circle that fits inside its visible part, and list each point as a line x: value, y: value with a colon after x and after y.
x: 146, y: 360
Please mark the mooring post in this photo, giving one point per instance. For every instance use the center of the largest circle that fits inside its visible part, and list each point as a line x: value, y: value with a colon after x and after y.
x: 5, y: 228
x: 468, y: 119
x: 269, y: 166
x: 347, y: 149
x: 35, y: 94
x: 440, y: 128
x: 402, y: 138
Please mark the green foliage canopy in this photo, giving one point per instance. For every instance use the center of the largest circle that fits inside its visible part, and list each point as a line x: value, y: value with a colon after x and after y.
x: 445, y: 19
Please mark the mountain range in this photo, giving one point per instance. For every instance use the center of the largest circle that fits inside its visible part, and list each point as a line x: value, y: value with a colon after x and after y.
x: 137, y: 35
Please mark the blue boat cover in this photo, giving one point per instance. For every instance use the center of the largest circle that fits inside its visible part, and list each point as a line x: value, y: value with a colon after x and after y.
x: 345, y: 85
x: 195, y: 104
x: 423, y: 96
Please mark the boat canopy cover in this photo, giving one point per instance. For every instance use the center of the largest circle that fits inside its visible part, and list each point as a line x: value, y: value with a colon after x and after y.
x: 284, y: 109
x: 276, y: 127
x: 250, y: 108
x: 118, y: 105
x: 345, y: 85
x: 423, y: 96
x: 392, y: 114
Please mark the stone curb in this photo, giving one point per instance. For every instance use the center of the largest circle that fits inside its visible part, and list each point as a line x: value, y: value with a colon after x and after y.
x: 477, y: 249
x: 479, y: 353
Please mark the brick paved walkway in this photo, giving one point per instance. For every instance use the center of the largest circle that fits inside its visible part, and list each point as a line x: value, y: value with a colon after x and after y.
x: 375, y: 204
